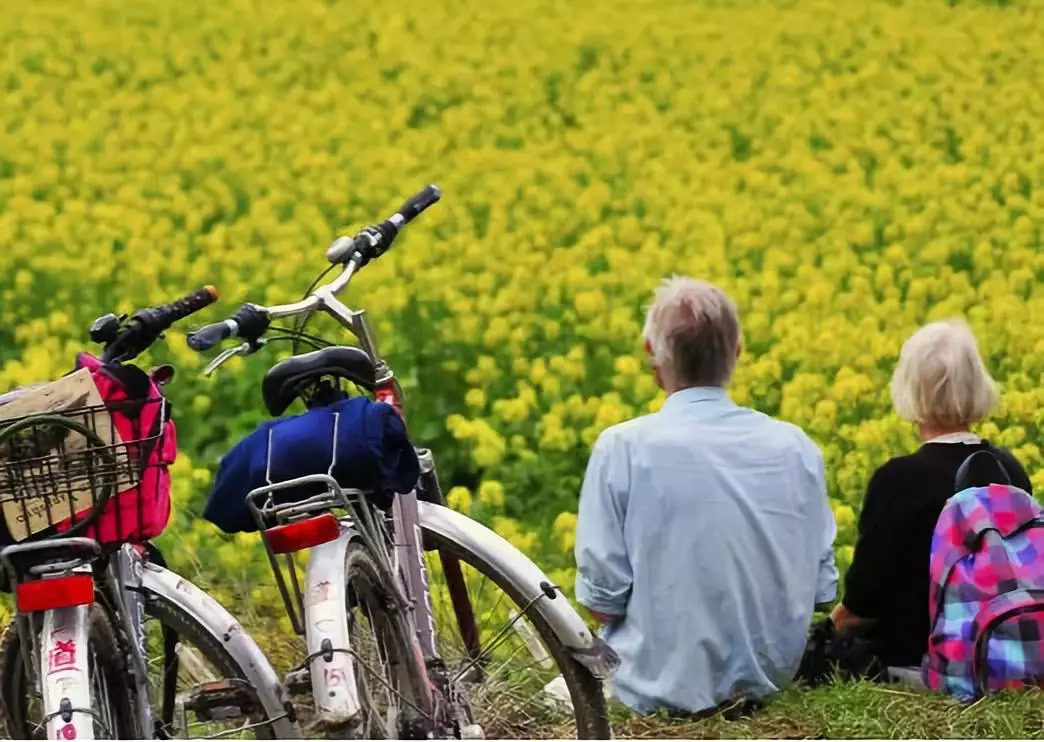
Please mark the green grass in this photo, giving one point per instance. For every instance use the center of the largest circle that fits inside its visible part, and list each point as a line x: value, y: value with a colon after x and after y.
x: 854, y: 710
x: 858, y: 711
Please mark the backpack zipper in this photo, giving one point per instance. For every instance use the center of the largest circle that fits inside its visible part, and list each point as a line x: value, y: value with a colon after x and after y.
x: 980, y: 668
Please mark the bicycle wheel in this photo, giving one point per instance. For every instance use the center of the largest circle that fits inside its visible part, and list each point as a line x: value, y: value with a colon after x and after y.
x: 386, y: 670
x: 111, y: 698
x: 181, y: 656
x: 519, y: 657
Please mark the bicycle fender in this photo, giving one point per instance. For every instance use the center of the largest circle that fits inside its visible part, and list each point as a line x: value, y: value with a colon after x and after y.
x: 529, y: 580
x: 66, y: 680
x: 326, y: 631
x: 228, y: 632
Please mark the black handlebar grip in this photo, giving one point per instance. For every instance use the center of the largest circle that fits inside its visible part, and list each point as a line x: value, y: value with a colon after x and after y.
x: 207, y: 337
x: 419, y: 202
x: 192, y: 303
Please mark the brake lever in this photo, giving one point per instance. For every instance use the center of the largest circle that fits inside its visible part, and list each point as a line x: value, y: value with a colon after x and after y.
x: 243, y: 349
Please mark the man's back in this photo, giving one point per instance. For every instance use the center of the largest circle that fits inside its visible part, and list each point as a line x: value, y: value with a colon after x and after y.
x: 707, y: 527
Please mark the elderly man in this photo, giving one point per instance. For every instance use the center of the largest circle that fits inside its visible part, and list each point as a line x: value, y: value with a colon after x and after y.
x: 704, y: 537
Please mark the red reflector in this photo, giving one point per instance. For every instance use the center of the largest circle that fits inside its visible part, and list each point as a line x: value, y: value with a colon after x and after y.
x: 56, y: 592
x: 303, y: 534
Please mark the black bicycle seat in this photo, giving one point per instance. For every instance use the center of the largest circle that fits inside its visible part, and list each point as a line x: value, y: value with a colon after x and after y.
x: 285, y: 380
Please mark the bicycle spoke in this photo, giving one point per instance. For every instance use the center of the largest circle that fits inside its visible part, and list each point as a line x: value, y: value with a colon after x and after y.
x: 506, y: 694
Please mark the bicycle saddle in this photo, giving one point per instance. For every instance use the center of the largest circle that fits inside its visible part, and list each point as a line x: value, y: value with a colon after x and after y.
x: 981, y: 469
x: 285, y: 381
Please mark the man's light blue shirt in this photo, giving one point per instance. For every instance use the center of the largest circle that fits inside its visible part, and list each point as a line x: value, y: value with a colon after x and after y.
x: 707, y: 527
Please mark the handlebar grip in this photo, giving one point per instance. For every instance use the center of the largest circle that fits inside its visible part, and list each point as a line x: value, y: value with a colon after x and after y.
x: 207, y: 337
x: 192, y: 303
x: 418, y: 203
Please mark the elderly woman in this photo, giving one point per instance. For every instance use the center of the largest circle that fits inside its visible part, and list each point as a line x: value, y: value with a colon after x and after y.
x: 942, y: 386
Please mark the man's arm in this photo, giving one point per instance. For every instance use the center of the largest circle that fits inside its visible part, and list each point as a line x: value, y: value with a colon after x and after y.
x: 603, y: 577
x: 827, y: 577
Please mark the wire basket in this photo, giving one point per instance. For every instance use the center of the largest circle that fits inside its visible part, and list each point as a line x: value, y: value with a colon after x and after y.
x: 90, y: 470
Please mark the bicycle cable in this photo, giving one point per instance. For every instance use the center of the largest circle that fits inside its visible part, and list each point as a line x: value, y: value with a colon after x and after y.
x: 299, y: 325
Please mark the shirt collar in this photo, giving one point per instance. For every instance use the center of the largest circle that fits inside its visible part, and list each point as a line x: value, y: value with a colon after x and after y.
x: 965, y: 437
x: 695, y: 394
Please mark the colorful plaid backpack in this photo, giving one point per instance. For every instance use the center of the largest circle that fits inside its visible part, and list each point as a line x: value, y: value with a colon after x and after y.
x: 987, y: 588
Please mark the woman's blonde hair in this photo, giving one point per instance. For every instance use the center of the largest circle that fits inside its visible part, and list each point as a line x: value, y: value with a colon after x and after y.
x: 940, y: 379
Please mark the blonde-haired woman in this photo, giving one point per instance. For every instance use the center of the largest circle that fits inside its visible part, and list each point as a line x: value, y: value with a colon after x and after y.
x: 942, y: 386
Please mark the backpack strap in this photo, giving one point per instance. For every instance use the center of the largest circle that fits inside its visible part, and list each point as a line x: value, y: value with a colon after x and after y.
x: 981, y: 469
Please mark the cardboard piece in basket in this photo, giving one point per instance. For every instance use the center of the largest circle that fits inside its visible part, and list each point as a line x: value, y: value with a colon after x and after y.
x: 31, y: 463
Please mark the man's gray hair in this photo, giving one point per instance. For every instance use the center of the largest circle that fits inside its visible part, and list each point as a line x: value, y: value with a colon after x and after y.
x: 940, y: 379
x: 693, y: 330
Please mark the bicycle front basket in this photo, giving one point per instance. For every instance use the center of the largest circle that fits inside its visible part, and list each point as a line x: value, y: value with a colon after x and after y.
x: 68, y: 467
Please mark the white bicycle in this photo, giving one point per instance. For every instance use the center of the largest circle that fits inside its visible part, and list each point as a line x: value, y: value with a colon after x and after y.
x: 106, y: 642
x: 379, y: 580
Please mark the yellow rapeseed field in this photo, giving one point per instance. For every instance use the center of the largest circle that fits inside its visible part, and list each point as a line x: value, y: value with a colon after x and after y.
x: 845, y: 170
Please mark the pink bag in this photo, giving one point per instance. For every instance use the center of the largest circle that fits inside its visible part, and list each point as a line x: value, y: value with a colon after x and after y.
x: 141, y: 416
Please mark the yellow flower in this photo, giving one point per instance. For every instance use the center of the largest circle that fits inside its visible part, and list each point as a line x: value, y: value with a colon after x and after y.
x: 844, y: 516
x: 459, y: 498
x: 491, y: 494
x: 839, y: 213
x: 475, y: 399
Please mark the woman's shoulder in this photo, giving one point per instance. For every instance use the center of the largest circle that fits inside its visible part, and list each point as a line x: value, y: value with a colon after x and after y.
x: 894, y: 479
x: 903, y: 466
x: 919, y: 471
x: 1016, y: 472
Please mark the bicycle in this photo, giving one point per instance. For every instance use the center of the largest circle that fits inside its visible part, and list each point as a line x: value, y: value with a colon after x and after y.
x: 381, y: 558
x: 86, y: 484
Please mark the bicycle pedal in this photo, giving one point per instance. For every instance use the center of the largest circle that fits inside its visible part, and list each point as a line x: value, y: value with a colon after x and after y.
x: 217, y: 700
x: 299, y: 681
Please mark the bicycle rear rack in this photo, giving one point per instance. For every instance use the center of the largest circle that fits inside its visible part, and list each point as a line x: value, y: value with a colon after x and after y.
x: 350, y: 507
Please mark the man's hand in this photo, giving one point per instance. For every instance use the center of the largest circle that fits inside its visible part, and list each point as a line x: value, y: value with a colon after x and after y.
x: 605, y: 619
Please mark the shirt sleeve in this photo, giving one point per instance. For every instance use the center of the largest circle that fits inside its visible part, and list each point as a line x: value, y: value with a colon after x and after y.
x: 865, y: 581
x: 826, y: 581
x: 603, y: 577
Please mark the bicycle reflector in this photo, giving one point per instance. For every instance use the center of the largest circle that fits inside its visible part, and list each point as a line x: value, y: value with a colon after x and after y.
x: 303, y: 534
x: 55, y: 592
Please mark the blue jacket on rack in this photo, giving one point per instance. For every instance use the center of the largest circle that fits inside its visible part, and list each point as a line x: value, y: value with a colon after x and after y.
x: 373, y: 454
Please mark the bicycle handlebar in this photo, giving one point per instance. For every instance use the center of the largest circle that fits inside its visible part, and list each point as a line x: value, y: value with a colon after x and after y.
x: 374, y: 241
x: 418, y: 202
x: 122, y: 343
x: 251, y: 320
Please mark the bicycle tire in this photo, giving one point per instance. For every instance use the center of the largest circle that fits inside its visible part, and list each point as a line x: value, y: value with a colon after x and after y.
x: 361, y: 570
x: 14, y: 694
x: 589, y: 704
x: 184, y: 626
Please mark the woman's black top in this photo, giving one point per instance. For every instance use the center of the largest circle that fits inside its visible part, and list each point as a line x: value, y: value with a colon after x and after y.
x: 888, y: 578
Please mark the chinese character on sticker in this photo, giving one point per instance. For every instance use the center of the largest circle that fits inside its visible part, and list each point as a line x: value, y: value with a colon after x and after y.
x: 63, y: 655
x: 320, y: 592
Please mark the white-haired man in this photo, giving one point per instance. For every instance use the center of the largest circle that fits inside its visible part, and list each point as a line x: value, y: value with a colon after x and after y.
x: 704, y: 537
